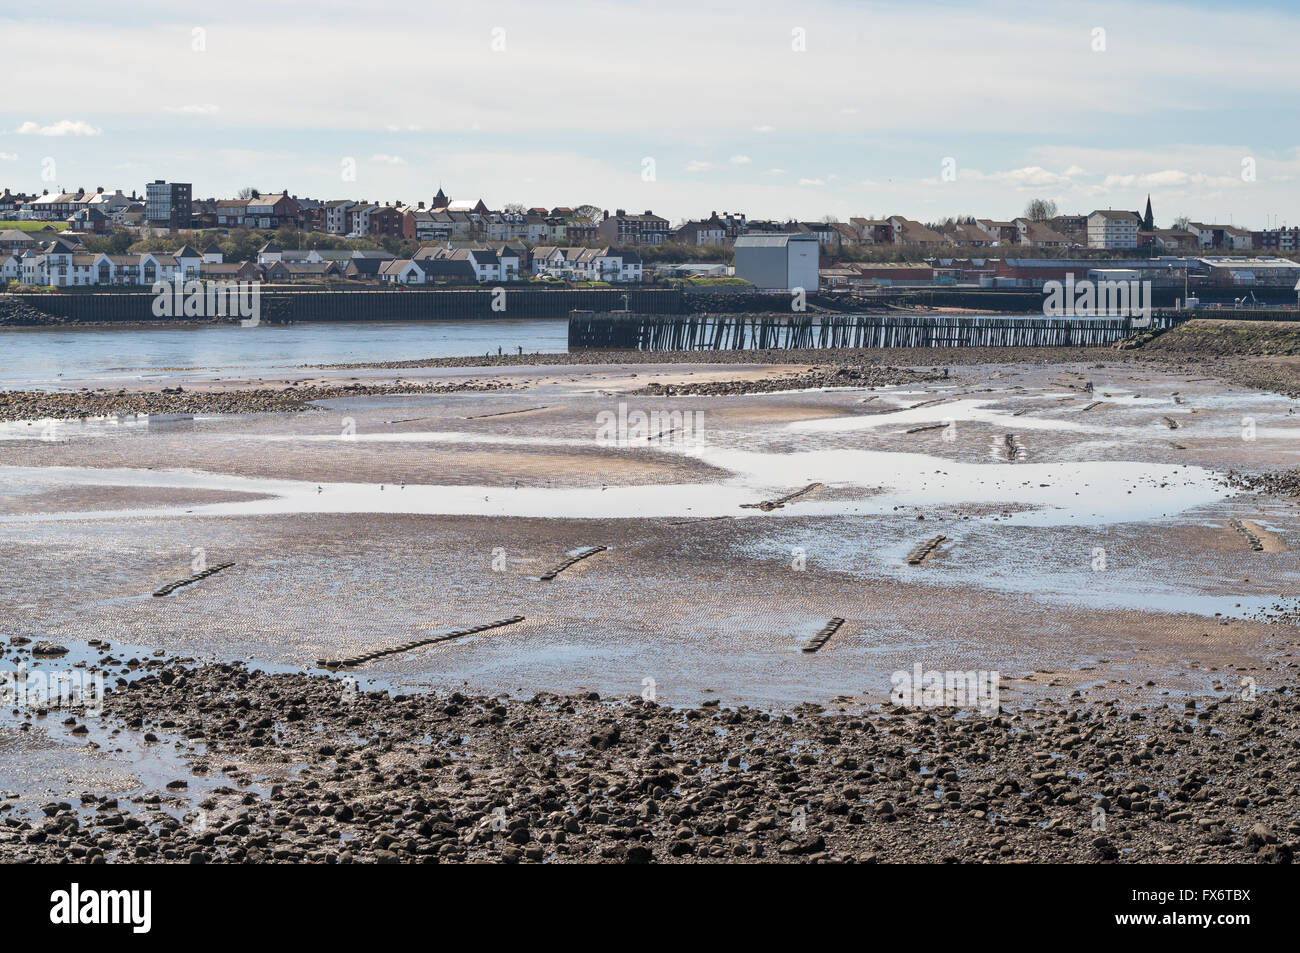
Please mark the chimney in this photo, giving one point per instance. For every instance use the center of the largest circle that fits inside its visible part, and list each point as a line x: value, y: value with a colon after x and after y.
x: 619, y: 212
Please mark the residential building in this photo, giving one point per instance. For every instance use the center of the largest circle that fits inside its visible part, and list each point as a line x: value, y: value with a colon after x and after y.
x: 873, y: 231
x: 624, y: 229
x: 962, y: 233
x: 908, y: 232
x: 88, y: 219
x: 401, y: 271
x: 358, y: 217
x: 445, y: 271
x: 15, y: 239
x: 709, y: 231
x: 1221, y: 236
x: 1277, y: 239
x: 1175, y: 239
x: 56, y: 206
x: 62, y: 265
x: 1113, y: 228
x: 1039, y: 234
x: 270, y: 212
x: 385, y: 221
x: 1004, y: 233
x: 10, y: 202
x: 168, y: 204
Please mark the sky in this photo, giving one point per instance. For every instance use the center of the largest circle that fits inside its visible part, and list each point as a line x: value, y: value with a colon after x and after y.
x: 776, y: 109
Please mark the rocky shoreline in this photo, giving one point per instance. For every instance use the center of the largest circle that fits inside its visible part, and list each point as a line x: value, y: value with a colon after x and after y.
x: 1284, y: 483
x: 46, y: 405
x: 817, y: 377
x: 306, y: 769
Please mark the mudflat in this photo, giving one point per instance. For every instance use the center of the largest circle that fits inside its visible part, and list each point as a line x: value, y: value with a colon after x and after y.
x: 1063, y: 528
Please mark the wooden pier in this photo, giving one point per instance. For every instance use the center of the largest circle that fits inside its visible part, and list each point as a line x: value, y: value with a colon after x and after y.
x: 722, y: 332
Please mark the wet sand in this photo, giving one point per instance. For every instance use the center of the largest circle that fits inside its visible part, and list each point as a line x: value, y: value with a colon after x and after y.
x: 1088, y: 545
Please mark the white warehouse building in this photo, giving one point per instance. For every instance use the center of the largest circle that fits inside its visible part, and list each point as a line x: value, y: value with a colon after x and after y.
x: 778, y: 262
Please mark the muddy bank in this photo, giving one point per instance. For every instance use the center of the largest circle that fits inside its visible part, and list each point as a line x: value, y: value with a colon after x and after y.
x: 43, y: 405
x: 927, y: 357
x: 307, y: 770
x: 817, y: 377
x: 1210, y: 336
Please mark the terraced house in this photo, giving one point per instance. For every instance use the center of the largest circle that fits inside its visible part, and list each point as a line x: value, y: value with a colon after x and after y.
x: 272, y: 211
x: 587, y: 264
x: 624, y: 229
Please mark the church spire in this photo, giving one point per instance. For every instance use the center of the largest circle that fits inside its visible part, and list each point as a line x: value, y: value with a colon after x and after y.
x: 1148, y: 221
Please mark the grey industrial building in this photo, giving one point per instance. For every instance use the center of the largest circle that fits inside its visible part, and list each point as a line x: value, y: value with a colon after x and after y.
x: 783, y: 262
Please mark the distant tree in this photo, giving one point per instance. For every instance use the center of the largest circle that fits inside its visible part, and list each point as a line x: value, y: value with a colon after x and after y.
x: 1182, y: 221
x: 830, y: 220
x: 248, y: 192
x: 1040, y: 210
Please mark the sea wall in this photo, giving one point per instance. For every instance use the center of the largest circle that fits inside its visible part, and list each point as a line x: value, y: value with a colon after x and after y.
x: 295, y: 306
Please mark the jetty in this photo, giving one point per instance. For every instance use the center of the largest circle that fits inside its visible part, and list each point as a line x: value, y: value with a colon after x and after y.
x: 724, y: 332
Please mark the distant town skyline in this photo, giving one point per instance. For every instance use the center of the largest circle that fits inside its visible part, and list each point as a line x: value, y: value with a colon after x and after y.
x: 827, y: 109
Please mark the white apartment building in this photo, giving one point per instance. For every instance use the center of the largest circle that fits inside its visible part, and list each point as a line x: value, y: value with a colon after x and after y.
x: 1113, y: 228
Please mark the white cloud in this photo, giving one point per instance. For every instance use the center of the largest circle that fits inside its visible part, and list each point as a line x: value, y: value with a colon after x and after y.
x: 1139, y: 92
x: 811, y: 182
x: 8, y: 156
x: 194, y: 109
x: 741, y: 160
x: 387, y: 159
x: 1029, y: 177
x: 64, y: 127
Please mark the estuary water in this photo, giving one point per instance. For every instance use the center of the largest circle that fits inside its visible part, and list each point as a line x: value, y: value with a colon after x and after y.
x: 41, y: 357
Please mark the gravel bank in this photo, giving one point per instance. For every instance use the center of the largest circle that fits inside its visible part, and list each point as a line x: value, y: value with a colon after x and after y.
x: 306, y: 772
x: 861, y: 376
x: 1274, y: 482
x: 42, y: 405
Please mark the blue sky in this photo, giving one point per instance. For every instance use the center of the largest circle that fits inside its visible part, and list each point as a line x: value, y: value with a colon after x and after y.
x: 775, y: 109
